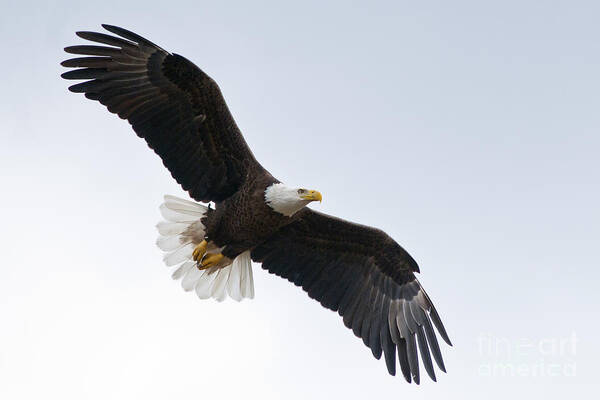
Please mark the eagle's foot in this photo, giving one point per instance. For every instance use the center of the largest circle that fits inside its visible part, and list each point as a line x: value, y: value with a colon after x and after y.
x: 210, y: 260
x: 200, y: 251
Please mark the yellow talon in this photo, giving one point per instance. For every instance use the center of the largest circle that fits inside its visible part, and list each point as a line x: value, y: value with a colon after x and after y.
x: 200, y: 251
x: 210, y: 260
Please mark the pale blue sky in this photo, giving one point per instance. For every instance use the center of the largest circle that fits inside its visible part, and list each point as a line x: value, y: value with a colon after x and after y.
x: 468, y: 130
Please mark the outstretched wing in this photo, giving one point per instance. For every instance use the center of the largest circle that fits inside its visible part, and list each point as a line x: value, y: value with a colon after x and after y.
x: 171, y: 103
x: 366, y: 277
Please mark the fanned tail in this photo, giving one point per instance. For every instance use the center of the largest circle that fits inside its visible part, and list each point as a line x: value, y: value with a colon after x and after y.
x: 179, y: 234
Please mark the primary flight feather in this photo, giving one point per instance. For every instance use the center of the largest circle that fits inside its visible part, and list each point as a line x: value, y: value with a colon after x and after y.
x: 356, y: 270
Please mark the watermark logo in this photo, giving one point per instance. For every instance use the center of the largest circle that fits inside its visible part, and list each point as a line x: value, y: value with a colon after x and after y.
x: 527, y: 357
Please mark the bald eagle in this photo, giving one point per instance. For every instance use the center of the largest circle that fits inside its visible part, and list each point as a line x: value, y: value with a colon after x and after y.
x: 356, y: 270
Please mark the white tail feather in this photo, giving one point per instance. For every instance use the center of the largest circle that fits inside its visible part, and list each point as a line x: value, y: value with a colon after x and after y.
x: 246, y: 279
x: 171, y: 228
x: 180, y: 271
x: 220, y: 283
x: 180, y: 234
x: 183, y: 253
x: 203, y: 287
x: 170, y: 243
x: 234, y: 282
x: 189, y: 281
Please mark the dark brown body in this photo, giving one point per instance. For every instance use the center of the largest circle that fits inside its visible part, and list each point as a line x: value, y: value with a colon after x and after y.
x: 244, y: 220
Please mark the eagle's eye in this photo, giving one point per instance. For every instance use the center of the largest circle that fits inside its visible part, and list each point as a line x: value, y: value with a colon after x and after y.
x: 301, y: 191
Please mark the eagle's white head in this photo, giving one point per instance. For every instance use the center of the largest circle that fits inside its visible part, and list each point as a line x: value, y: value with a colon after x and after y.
x: 289, y: 200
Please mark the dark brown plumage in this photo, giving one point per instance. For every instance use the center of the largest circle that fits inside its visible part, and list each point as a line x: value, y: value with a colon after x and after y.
x: 172, y: 104
x: 366, y: 277
x: 356, y: 270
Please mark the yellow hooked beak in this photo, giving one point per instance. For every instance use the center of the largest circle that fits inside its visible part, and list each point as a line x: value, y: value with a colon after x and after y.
x: 312, y: 195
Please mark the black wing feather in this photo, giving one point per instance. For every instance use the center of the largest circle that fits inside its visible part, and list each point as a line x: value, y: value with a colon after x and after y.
x: 172, y: 104
x: 368, y: 278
